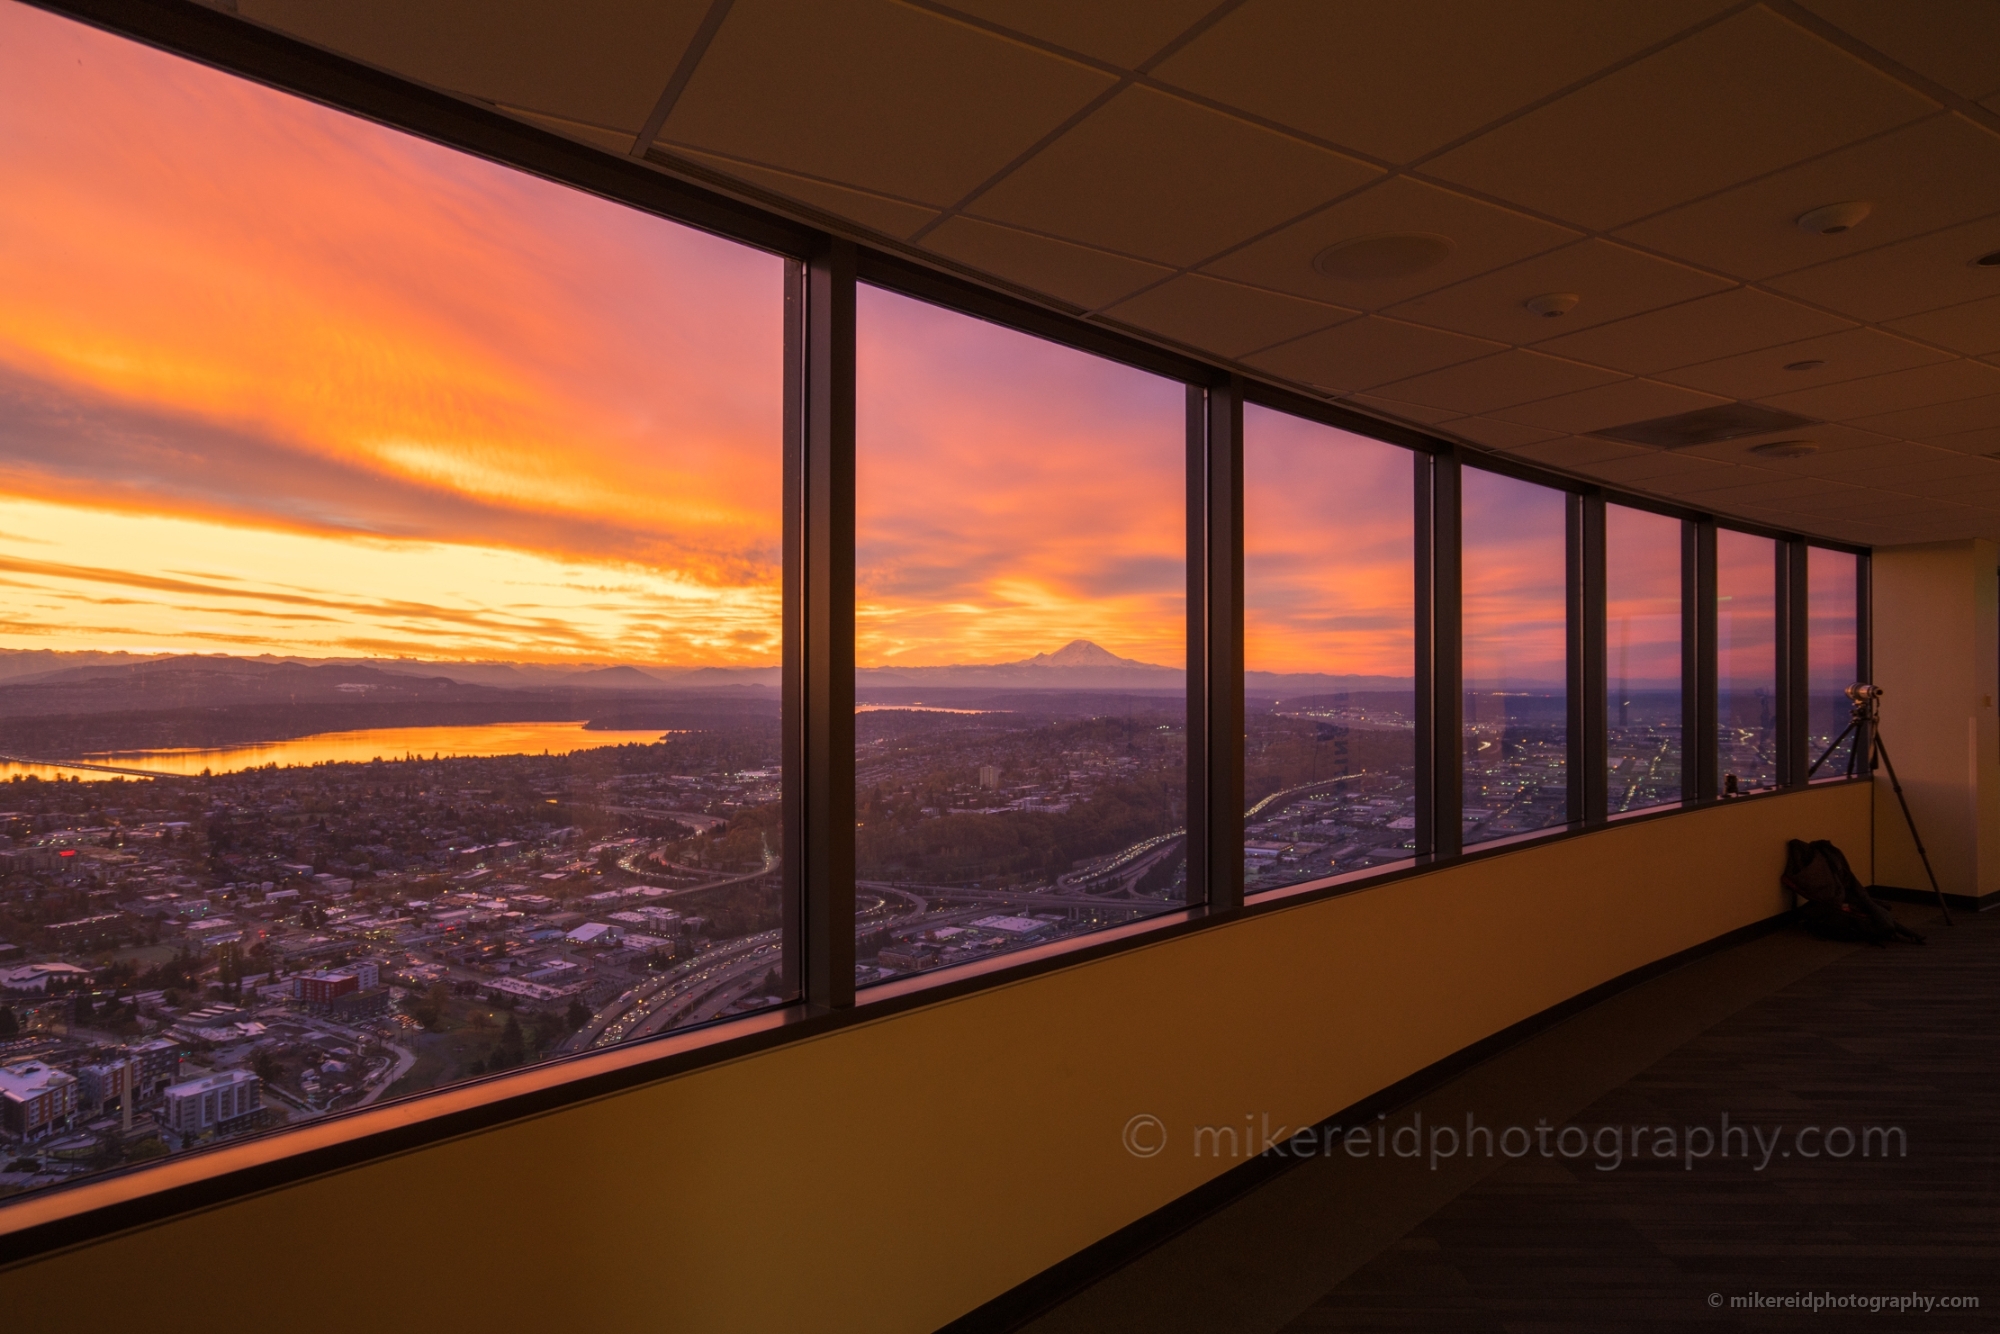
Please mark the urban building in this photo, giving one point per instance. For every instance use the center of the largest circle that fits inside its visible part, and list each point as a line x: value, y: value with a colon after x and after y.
x: 35, y: 1099
x: 218, y: 1102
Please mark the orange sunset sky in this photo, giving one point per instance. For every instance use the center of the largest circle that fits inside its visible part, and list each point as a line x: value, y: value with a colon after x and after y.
x: 276, y: 379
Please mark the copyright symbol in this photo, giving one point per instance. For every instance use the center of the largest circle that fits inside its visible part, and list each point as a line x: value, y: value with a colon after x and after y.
x: 1144, y: 1136
x: 1715, y: 1299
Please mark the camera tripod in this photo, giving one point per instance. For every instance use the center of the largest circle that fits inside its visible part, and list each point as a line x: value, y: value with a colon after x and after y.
x: 1866, y: 711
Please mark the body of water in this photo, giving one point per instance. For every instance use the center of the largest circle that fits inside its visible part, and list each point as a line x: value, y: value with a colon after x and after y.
x: 388, y: 743
x: 919, y: 708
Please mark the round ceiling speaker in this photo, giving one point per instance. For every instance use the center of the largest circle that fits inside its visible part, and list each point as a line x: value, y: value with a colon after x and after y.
x: 1552, y: 305
x: 1833, y: 219
x: 1784, y: 449
x: 1368, y: 259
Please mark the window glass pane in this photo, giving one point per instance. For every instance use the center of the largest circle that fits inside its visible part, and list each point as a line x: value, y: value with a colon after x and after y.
x: 399, y: 537
x: 1021, y: 651
x: 1746, y: 667
x: 1516, y: 563
x: 1642, y: 658
x: 1329, y: 647
x: 1832, y: 660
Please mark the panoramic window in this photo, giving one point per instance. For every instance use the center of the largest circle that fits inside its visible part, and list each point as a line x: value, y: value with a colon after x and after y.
x: 1021, y: 642
x: 1746, y: 662
x: 391, y: 612
x: 1329, y: 651
x: 1516, y: 571
x: 1642, y: 658
x: 1832, y: 655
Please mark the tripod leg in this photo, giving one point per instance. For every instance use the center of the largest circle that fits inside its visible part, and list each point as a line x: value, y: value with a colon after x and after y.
x: 1910, y: 820
x: 1832, y: 748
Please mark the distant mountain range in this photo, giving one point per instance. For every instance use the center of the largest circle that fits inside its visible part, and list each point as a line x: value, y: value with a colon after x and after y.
x: 39, y: 681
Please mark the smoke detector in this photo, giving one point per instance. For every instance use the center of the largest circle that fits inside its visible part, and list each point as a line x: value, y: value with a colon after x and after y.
x: 1386, y: 255
x: 1785, y: 449
x: 1833, y: 219
x: 1552, y: 305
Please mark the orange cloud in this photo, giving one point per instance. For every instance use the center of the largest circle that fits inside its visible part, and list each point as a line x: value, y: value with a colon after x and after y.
x: 1516, y: 571
x: 229, y: 305
x: 1329, y: 550
x: 1012, y: 495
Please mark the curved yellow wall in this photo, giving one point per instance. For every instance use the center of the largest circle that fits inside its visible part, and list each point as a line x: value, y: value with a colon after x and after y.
x: 893, y: 1175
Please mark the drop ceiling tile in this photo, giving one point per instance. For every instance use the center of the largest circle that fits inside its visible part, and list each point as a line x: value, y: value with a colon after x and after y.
x: 1483, y: 237
x: 1942, y: 171
x: 1937, y: 421
x: 1608, y: 405
x: 1985, y: 443
x: 600, y: 63
x: 1749, y: 95
x: 1653, y: 469
x: 1691, y: 482
x: 1613, y: 281
x: 1125, y: 33
x: 1725, y: 324
x: 1880, y: 506
x: 1073, y: 273
x: 1944, y: 382
x: 1906, y: 278
x: 1851, y: 355
x: 876, y: 95
x: 1947, y: 41
x: 1917, y: 463
x: 1499, y: 381
x: 1972, y: 328
x: 1575, y: 453
x: 1496, y: 434
x: 1397, y: 410
x: 1397, y: 81
x: 1367, y: 352
x: 1226, y: 319
x: 1163, y: 178
x: 892, y: 217
x: 1960, y: 490
x: 1774, y: 490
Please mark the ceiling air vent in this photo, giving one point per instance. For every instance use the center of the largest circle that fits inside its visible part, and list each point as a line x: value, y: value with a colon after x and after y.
x: 1705, y: 426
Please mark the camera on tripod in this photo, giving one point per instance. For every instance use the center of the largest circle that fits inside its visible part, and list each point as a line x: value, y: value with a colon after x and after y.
x: 1864, y: 717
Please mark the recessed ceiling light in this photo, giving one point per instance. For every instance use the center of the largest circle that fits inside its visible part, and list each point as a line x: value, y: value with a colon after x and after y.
x: 1991, y: 261
x: 1550, y: 305
x: 1785, y: 449
x: 1833, y: 219
x: 1367, y: 259
x: 1809, y: 364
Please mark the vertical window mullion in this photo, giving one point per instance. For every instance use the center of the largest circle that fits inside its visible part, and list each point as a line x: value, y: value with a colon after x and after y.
x: 1589, y: 743
x: 1864, y: 646
x: 792, y: 686
x: 1424, y: 699
x: 1699, y: 775
x: 1215, y: 645
x: 1447, y: 635
x: 1794, y: 688
x: 826, y: 624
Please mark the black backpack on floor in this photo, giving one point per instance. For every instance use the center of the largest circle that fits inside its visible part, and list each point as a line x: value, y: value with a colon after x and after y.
x: 1833, y: 902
